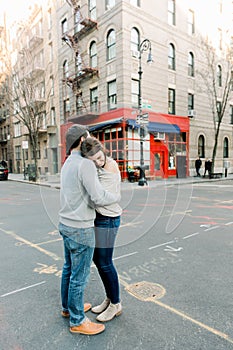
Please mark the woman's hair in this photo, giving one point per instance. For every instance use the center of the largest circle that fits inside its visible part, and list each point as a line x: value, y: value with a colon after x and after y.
x: 90, y: 146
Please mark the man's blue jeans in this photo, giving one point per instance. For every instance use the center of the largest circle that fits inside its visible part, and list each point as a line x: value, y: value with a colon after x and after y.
x: 78, y: 253
x: 106, y: 229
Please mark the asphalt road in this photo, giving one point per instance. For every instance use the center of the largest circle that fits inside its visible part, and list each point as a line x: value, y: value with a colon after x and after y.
x: 174, y: 258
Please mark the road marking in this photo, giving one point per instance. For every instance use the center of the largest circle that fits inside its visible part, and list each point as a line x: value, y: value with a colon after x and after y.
x: 211, y: 228
x: 172, y: 249
x: 32, y: 245
x: 51, y: 241
x: 160, y: 245
x: 20, y: 290
x: 181, y: 314
x: 193, y: 234
x: 229, y: 223
x: 125, y: 256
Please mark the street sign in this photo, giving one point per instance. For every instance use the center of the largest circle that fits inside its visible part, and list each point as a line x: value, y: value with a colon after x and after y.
x: 24, y: 144
x: 142, y: 119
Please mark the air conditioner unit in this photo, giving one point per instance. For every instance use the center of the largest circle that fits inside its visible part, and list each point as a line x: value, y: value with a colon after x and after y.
x: 135, y: 53
x: 191, y: 113
x: 159, y: 136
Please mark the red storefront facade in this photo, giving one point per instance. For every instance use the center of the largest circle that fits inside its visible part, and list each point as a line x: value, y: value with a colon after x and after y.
x: 165, y: 148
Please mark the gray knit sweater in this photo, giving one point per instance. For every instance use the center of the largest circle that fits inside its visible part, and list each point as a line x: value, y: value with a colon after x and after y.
x: 81, y: 191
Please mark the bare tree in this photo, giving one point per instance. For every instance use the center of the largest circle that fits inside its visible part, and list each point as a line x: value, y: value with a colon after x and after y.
x: 218, y: 76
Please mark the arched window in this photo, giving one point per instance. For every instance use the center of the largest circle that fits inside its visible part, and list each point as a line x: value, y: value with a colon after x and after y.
x: 135, y: 40
x: 93, y: 55
x: 225, y: 148
x: 111, y: 45
x: 201, y: 146
x: 65, y: 69
x: 191, y: 64
x: 219, y: 76
x: 171, y: 57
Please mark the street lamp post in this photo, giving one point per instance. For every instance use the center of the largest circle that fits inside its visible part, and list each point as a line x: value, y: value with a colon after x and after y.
x: 145, y: 45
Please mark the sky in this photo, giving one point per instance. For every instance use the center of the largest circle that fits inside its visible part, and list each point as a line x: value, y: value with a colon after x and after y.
x: 15, y: 10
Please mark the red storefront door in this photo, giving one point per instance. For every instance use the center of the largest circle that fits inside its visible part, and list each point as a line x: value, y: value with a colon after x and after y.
x: 158, y: 158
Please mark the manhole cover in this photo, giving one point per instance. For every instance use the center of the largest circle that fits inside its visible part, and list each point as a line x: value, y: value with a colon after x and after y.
x: 146, y: 291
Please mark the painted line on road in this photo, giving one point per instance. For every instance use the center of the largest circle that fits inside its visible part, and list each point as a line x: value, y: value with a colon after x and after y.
x: 160, y: 245
x: 51, y: 241
x: 125, y: 256
x: 198, y: 323
x: 21, y: 289
x: 193, y: 234
x: 211, y: 228
x: 151, y: 298
x: 32, y: 245
x: 229, y: 223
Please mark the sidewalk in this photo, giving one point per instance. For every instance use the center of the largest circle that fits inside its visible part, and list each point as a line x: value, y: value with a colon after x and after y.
x: 54, y: 181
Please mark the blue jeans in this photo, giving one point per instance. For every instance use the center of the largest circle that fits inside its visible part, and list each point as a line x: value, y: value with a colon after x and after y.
x: 106, y: 229
x: 78, y: 253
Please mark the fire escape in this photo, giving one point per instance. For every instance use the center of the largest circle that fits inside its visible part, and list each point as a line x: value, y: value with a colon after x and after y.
x: 83, y: 26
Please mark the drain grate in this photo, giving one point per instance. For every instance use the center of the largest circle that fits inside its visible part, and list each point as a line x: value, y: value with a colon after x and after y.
x: 146, y: 291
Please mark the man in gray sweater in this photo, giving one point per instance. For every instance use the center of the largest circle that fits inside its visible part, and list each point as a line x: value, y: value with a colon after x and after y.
x: 80, y: 192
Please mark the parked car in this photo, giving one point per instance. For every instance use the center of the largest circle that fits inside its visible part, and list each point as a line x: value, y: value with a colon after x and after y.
x: 3, y: 170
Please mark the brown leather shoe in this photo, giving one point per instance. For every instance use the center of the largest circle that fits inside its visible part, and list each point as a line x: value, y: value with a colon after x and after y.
x: 88, y: 328
x: 87, y: 307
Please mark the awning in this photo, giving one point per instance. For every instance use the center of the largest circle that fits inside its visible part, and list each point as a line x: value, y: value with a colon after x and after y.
x: 157, y: 127
x: 104, y: 125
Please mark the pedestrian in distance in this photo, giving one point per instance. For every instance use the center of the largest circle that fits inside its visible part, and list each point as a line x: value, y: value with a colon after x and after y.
x: 208, y: 165
x: 80, y: 191
x: 107, y: 223
x: 198, y: 163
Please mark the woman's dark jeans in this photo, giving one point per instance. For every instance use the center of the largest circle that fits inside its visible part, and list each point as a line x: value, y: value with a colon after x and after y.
x: 106, y: 229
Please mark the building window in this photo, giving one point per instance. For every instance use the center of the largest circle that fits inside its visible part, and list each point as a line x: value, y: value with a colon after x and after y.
x: 190, y: 102
x: 135, y: 2
x: 38, y: 151
x: 94, y: 99
x: 49, y: 19
x: 18, y: 152
x: 109, y: 4
x: 135, y: 93
x: 231, y: 114
x: 111, y: 45
x: 93, y: 55
x: 51, y: 86
x: 50, y: 52
x: 135, y: 41
x: 191, y: 26
x: 225, y: 148
x: 79, y: 104
x: 219, y: 76
x: 190, y: 64
x: 77, y: 20
x: 219, y: 107
x: 78, y: 64
x: 64, y: 26
x: 53, y: 116
x: 66, y: 108
x: 92, y: 9
x: 171, y: 57
x: 65, y: 69
x: 171, y: 101
x: 201, y: 146
x: 171, y: 12
x: 45, y: 150
x: 220, y: 39
x: 17, y: 129
x: 112, y: 95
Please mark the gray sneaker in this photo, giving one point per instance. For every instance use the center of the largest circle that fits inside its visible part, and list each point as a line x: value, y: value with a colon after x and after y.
x: 100, y: 308
x: 112, y: 311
